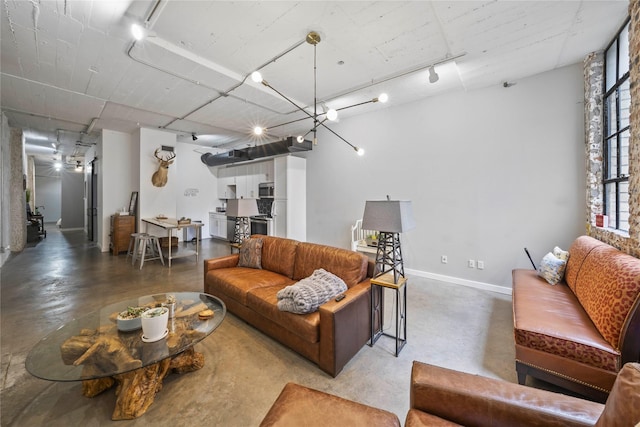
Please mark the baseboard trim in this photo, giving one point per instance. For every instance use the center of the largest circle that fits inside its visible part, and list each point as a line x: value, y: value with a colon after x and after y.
x: 72, y: 229
x: 459, y: 281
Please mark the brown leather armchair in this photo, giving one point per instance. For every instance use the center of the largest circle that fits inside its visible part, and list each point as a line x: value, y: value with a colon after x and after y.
x: 442, y: 397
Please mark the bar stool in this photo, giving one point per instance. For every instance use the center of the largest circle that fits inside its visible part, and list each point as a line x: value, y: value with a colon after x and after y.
x: 153, y: 243
x: 133, y: 247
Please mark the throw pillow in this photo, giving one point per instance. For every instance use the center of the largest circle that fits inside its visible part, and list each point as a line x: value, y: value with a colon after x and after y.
x: 552, y: 268
x: 560, y: 254
x: 307, y: 295
x: 251, y: 253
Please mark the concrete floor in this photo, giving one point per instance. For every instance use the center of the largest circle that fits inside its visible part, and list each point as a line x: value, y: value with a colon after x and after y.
x: 64, y: 276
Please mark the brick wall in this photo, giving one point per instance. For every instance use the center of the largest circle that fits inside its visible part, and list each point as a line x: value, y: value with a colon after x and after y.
x: 629, y: 244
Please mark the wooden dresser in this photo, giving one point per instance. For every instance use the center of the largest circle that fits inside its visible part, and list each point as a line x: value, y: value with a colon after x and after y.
x: 121, y: 228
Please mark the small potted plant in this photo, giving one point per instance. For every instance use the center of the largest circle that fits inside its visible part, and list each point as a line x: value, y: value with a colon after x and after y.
x: 154, y: 324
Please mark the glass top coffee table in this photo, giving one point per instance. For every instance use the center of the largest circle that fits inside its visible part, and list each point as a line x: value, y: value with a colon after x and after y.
x: 91, y: 349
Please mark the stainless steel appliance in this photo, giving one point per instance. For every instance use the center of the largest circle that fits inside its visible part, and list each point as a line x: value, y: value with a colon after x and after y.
x: 231, y: 227
x: 262, y: 224
x: 266, y: 190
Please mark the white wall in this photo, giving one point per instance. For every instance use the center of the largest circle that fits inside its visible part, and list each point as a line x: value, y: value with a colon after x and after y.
x: 154, y: 201
x: 117, y: 178
x: 196, y: 186
x: 489, y: 172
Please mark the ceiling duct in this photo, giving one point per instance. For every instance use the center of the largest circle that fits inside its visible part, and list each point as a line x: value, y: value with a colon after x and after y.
x: 232, y: 156
x: 284, y: 146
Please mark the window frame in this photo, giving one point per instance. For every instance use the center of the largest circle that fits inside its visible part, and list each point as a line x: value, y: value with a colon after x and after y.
x: 614, y: 180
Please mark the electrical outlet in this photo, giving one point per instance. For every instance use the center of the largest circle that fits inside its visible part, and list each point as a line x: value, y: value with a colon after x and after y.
x: 443, y: 259
x: 471, y: 263
x: 480, y: 265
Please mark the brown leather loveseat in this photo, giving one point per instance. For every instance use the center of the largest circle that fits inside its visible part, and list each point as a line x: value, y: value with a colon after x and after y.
x: 580, y: 332
x: 329, y: 337
x: 444, y: 397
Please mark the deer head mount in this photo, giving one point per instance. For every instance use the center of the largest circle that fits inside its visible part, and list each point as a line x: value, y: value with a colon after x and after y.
x: 159, y: 178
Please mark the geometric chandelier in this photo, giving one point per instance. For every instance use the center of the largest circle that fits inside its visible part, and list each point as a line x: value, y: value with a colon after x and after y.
x: 313, y: 38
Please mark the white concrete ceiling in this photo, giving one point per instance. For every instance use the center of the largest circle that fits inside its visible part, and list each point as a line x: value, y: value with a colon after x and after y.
x: 64, y: 63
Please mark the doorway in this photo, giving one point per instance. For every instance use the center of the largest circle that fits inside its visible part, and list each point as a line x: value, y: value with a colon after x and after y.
x: 92, y: 205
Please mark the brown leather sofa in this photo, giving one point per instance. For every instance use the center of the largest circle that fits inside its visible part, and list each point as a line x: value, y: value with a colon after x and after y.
x: 329, y: 337
x: 442, y: 397
x: 579, y: 333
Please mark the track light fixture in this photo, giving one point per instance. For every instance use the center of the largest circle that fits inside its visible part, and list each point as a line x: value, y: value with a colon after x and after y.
x: 194, y: 137
x: 313, y: 38
x: 433, y: 76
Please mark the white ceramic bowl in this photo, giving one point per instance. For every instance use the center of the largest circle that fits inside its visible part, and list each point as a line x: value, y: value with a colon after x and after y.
x: 127, y: 324
x: 154, y: 323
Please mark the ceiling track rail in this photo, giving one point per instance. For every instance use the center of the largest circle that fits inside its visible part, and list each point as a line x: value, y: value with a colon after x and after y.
x: 221, y: 93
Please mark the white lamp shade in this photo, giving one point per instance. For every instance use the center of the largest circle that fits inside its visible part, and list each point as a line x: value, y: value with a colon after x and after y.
x: 391, y: 216
x: 242, y: 207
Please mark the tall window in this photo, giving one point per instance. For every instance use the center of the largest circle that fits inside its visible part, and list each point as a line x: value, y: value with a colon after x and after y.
x: 617, y: 100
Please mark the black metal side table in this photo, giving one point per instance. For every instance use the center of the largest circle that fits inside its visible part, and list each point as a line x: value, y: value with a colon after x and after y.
x: 378, y: 284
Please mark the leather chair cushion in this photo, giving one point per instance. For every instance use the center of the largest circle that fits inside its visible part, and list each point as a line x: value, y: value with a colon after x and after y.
x: 623, y: 405
x: 550, y: 319
x: 608, y: 286
x: 278, y: 255
x: 301, y: 406
x: 263, y: 301
x: 236, y: 282
x: 417, y: 418
x: 348, y: 265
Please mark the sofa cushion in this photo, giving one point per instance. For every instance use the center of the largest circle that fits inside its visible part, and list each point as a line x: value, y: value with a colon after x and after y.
x: 251, y: 253
x: 623, y: 404
x: 307, y: 295
x: 417, y: 418
x: 578, y: 251
x: 278, y: 254
x: 264, y: 301
x: 348, y: 265
x: 607, y: 287
x: 301, y: 406
x: 236, y: 282
x: 551, y: 320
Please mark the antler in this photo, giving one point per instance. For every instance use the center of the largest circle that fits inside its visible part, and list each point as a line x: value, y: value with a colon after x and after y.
x: 171, y: 156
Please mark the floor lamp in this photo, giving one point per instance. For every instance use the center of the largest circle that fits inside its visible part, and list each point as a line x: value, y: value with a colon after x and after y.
x: 242, y: 209
x: 389, y: 218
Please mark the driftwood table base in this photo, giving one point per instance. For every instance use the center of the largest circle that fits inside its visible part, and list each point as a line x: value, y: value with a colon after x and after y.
x: 137, y: 389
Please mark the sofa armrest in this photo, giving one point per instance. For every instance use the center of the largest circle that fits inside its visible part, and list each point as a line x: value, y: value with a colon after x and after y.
x: 345, y: 326
x: 474, y: 400
x: 222, y: 262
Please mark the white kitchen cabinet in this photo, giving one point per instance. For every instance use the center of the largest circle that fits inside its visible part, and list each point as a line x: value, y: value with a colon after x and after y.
x: 290, y: 186
x: 253, y: 179
x: 268, y: 171
x: 280, y: 177
x: 218, y: 225
x: 226, y: 183
x: 279, y: 211
x: 240, y: 173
